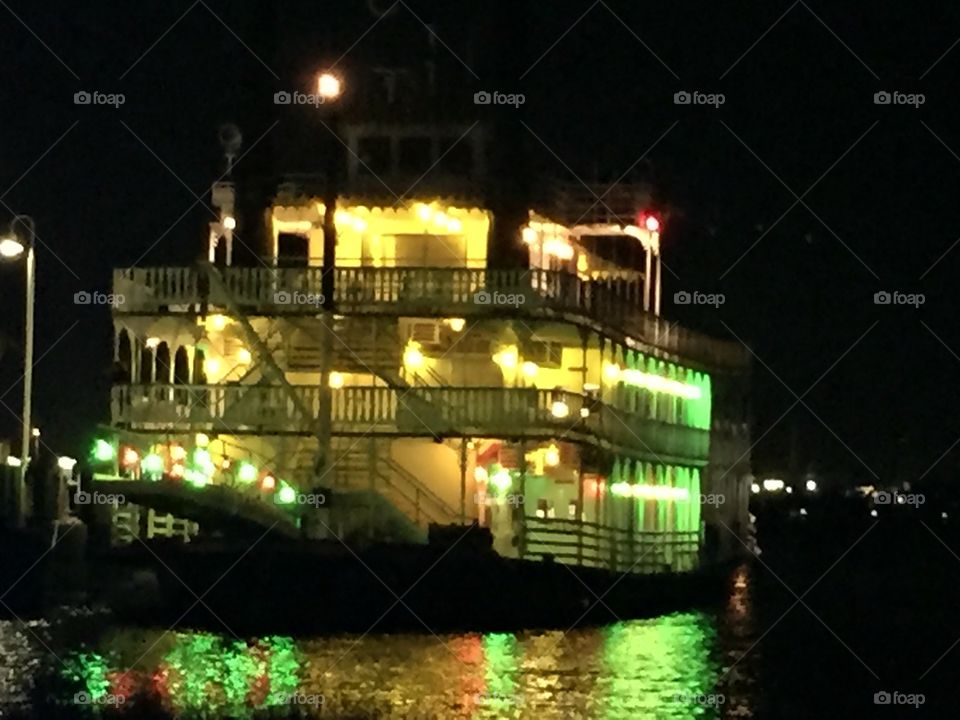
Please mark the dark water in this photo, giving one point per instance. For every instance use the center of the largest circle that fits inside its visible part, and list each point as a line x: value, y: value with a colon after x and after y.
x: 681, y: 665
x: 839, y: 612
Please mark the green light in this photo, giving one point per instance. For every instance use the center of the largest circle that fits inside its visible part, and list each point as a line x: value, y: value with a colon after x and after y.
x: 287, y: 495
x: 152, y: 464
x: 201, y: 458
x: 501, y: 479
x: 103, y: 451
x: 247, y: 473
x: 196, y: 478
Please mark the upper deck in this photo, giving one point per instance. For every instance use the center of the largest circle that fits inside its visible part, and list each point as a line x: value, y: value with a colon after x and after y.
x: 609, y: 306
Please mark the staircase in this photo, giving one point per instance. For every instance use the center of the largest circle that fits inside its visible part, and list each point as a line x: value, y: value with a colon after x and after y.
x: 364, y: 465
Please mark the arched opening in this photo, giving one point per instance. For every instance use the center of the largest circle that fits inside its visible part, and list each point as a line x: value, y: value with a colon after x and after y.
x: 123, y: 364
x: 181, y: 374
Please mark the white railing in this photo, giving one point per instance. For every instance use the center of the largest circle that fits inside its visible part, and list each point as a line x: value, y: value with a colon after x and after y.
x: 420, y: 411
x: 615, y: 549
x: 447, y: 292
x: 126, y: 525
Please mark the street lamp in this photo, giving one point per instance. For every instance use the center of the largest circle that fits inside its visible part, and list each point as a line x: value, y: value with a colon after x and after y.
x: 11, y: 247
x: 329, y: 86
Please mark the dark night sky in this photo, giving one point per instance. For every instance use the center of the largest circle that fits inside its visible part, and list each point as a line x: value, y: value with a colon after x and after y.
x: 796, y: 102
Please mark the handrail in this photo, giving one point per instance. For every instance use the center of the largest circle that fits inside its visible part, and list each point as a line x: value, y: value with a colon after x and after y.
x: 615, y: 304
x: 398, y: 470
x: 422, y: 411
x: 617, y: 549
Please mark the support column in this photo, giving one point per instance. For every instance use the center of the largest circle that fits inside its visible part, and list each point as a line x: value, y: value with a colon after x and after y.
x: 646, y: 281
x: 522, y: 502
x: 658, y: 287
x: 463, y: 480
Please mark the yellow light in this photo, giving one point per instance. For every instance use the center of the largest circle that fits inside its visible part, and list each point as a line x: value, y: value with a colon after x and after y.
x: 611, y: 372
x: 359, y: 224
x: 454, y: 225
x: 424, y: 212
x: 336, y: 380
x: 11, y: 247
x: 230, y: 222
x: 440, y: 219
x: 152, y: 342
x: 582, y: 266
x: 480, y: 474
x: 343, y: 217
x: 773, y: 485
x: 529, y: 235
x: 558, y: 248
x: 218, y: 322
x: 754, y: 488
x: 35, y: 432
x: 507, y: 358
x: 211, y: 366
x: 130, y: 457
x: 560, y: 409
x: 457, y: 324
x: 590, y: 387
x: 202, y: 440
x: 329, y: 86
x: 244, y: 357
x: 530, y: 369
x: 551, y: 456
x: 412, y: 357
x: 584, y: 412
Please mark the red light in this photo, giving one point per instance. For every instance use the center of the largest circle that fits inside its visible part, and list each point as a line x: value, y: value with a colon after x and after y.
x: 269, y: 483
x: 652, y: 223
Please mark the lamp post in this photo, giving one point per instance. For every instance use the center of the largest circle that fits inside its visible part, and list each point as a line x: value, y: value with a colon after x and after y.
x: 13, y: 247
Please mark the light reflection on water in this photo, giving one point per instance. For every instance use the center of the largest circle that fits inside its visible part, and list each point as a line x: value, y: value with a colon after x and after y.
x: 674, y: 666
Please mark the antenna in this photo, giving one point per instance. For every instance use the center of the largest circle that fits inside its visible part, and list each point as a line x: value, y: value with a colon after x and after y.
x: 230, y: 140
